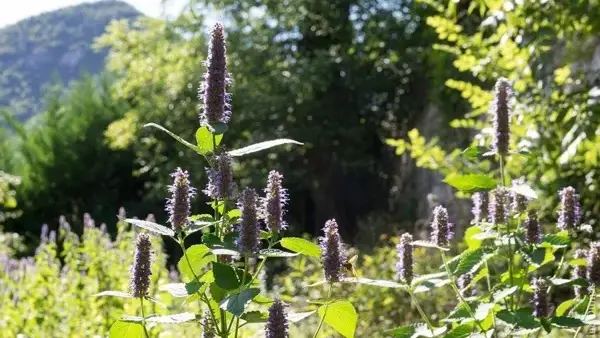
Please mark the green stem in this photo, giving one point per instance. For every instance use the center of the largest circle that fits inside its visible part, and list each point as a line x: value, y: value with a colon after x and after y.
x: 423, y: 315
x: 324, y: 312
x: 587, y: 309
x: 237, y: 320
x: 144, y: 318
x: 462, y: 299
x: 560, y: 264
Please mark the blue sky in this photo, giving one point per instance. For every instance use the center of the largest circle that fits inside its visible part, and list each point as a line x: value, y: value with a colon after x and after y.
x: 12, y: 11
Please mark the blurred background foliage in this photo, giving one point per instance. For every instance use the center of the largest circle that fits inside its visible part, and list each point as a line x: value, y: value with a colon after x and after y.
x: 385, y: 95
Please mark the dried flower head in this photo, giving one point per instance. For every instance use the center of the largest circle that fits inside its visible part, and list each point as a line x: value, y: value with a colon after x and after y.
x: 248, y: 241
x: 273, y: 204
x: 533, y: 232
x: 593, y: 262
x: 332, y: 252
x: 580, y: 271
x: 215, y: 106
x: 498, y: 208
x: 501, y: 109
x: 463, y: 282
x: 141, y: 268
x: 277, y: 323
x: 569, y: 214
x: 404, y: 266
x: 220, y: 180
x: 518, y: 201
x: 480, y: 207
x: 540, y: 298
x: 178, y: 205
x: 442, y: 229
x: 208, y: 328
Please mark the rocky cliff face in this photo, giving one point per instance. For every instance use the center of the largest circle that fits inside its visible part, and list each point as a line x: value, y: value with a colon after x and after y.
x: 54, y: 46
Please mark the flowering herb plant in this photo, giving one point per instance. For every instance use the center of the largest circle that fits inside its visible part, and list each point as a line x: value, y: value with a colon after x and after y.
x: 503, y: 281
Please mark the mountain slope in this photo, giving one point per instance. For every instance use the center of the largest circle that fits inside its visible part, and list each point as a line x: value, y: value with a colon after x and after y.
x: 51, y: 46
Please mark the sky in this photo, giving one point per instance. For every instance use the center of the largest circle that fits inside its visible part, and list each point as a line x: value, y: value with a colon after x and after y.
x: 12, y: 11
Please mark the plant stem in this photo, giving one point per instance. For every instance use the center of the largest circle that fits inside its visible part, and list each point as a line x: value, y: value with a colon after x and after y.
x: 453, y: 284
x: 237, y: 320
x: 587, y: 309
x: 144, y: 318
x: 324, y: 312
x: 423, y: 315
x: 560, y: 264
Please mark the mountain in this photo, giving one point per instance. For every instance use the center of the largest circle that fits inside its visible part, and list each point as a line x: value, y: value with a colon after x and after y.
x: 51, y: 46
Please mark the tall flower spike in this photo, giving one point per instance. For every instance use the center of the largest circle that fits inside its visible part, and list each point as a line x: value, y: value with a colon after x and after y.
x: 533, y: 232
x: 501, y: 110
x: 220, y: 180
x: 463, y: 282
x: 141, y: 268
x: 593, y: 263
x: 332, y: 252
x: 178, y: 205
x: 208, y: 328
x: 540, y: 298
x: 248, y: 241
x: 498, y: 208
x: 404, y: 266
x: 277, y: 322
x: 442, y: 229
x: 216, y: 108
x: 518, y: 202
x: 274, y: 202
x: 580, y: 271
x: 569, y: 214
x: 480, y: 207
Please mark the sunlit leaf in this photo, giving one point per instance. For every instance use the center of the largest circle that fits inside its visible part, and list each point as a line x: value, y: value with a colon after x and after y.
x: 261, y: 146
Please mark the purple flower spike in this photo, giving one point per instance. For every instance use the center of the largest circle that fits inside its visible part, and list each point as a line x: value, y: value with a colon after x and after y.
x: 540, y: 298
x: 580, y: 272
x: 498, y: 208
x: 277, y: 323
x: 463, y: 282
x: 442, y: 229
x: 593, y: 262
x: 501, y: 110
x: 480, y: 207
x: 141, y: 268
x: 216, y: 107
x: 404, y: 266
x: 332, y: 252
x: 274, y: 202
x: 533, y: 232
x: 178, y: 206
x: 208, y: 329
x: 569, y: 214
x: 248, y: 241
x: 220, y: 180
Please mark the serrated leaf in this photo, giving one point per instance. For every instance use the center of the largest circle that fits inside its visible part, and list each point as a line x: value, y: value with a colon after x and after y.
x: 546, y: 325
x: 276, y: 253
x: 482, y: 310
x: 173, y: 135
x: 474, y: 152
x: 112, y: 293
x: 255, y: 317
x: 406, y: 331
x: 565, y: 306
x: 236, y: 304
x: 499, y: 295
x: 525, y: 318
x: 196, y: 226
x: 177, y: 290
x: 471, y: 183
x: 470, y: 261
x: 126, y: 329
x: 507, y: 317
x: 261, y: 146
x: 172, y: 319
x: 470, y: 233
x: 218, y: 128
x: 235, y: 213
x: 458, y: 314
x: 295, y: 317
x: 428, y: 244
x: 224, y: 252
x: 558, y: 240
x: 225, y: 276
x: 340, y: 315
x: 562, y: 281
x: 202, y: 217
x: 374, y: 282
x: 152, y: 227
x: 430, y: 285
x: 524, y: 190
x: 427, y: 277
x: 301, y: 246
x: 566, y: 322
x: 204, y: 139
x: 461, y: 331
x: 199, y: 256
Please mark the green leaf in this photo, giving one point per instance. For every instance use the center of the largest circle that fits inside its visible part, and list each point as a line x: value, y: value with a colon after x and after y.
x: 295, y: 317
x: 202, y: 218
x: 431, y: 284
x: 126, y: 329
x: 199, y: 256
x: 428, y: 244
x: 474, y: 152
x: 340, y: 315
x: 482, y: 310
x: 576, y: 281
x: 204, y: 139
x: 406, y: 331
x: 558, y: 240
x: 423, y: 278
x: 114, y: 294
x: 152, y: 227
x: 225, y: 276
x: 499, y: 295
x: 546, y: 325
x: 236, y: 304
x: 525, y: 318
x: 262, y: 146
x: 524, y: 190
x: 180, y: 290
x: 374, y: 282
x: 276, y: 253
x: 566, y: 322
x: 255, y: 317
x: 301, y: 246
x: 472, y: 242
x: 235, y: 213
x: 565, y: 306
x: 172, y: 319
x: 224, y: 252
x: 218, y: 128
x: 470, y: 261
x: 507, y: 316
x: 458, y: 314
x: 471, y: 183
x: 177, y: 138
x: 461, y: 331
